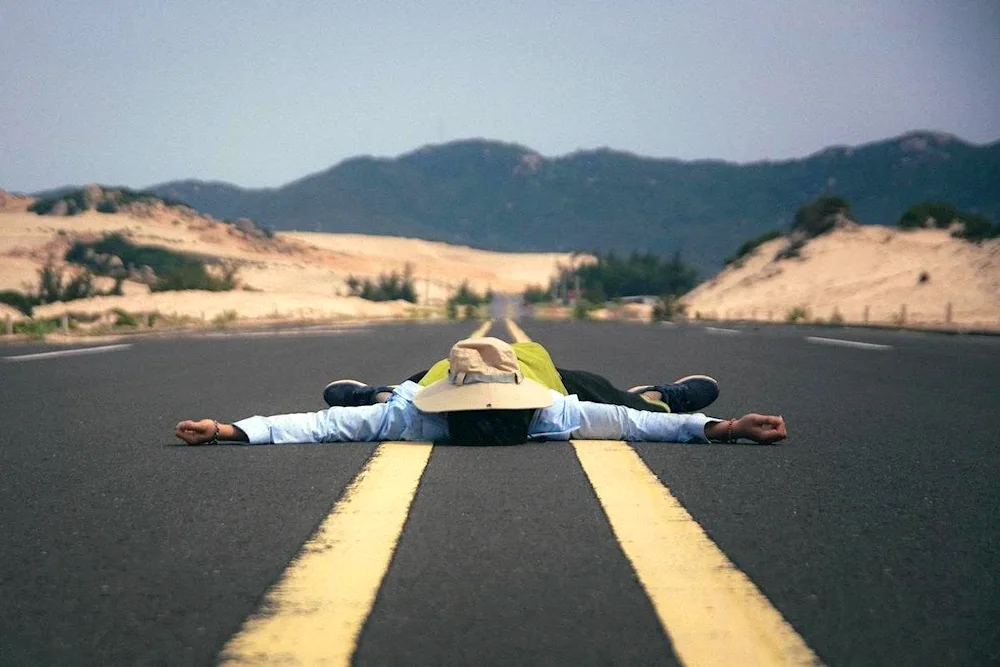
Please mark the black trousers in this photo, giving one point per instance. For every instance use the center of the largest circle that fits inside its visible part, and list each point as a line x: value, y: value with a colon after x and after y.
x: 594, y: 388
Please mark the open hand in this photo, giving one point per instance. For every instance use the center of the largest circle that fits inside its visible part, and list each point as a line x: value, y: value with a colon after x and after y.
x: 195, y: 432
x: 762, y: 429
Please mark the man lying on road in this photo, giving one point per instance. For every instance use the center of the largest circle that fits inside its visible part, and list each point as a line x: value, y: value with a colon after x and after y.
x: 491, y: 393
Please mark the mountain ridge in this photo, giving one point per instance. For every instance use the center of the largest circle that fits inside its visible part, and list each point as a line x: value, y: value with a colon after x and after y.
x: 506, y: 196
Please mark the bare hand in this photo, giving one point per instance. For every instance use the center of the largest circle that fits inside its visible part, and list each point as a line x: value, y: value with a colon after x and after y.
x: 195, y: 432
x: 762, y: 429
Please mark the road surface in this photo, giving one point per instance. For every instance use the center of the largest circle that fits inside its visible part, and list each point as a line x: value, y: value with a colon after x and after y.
x: 873, y: 532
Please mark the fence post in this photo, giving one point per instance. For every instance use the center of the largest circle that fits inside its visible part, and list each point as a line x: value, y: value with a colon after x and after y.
x: 9, y: 328
x: 947, y: 313
x: 65, y: 323
x: 902, y: 314
x: 866, y: 314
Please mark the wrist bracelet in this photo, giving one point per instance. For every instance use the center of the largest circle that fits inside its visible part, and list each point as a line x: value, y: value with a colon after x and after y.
x: 215, y: 436
x: 730, y: 439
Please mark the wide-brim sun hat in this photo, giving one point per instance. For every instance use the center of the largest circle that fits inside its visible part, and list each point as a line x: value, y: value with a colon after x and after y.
x: 483, y: 374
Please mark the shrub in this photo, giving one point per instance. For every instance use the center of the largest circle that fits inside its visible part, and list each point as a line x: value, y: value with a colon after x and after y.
x: 469, y: 297
x: 124, y: 318
x: 190, y: 277
x: 820, y: 215
x: 173, y: 270
x: 19, y: 300
x: 74, y: 202
x: 792, y: 250
x: 668, y: 308
x: 52, y: 289
x: 103, y: 199
x: 80, y: 287
x: 976, y: 228
x: 37, y: 328
x: 941, y: 215
x: 389, y: 286
x: 582, y: 309
x: 796, y: 314
x: 533, y: 295
x: 469, y: 300
x: 751, y: 245
x: 225, y: 317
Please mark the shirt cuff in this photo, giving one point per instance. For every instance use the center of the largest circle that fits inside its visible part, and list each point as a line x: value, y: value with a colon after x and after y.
x: 257, y: 429
x: 696, y: 426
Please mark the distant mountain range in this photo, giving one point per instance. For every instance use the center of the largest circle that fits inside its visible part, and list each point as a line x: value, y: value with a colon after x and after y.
x: 507, y: 197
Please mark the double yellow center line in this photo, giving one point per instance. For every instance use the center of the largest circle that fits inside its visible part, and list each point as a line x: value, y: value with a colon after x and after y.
x: 314, y: 614
x: 713, y: 614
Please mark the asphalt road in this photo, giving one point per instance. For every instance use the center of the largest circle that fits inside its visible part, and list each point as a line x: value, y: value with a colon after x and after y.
x: 874, y: 529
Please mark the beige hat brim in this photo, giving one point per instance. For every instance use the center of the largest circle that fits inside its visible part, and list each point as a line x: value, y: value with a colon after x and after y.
x: 442, y: 396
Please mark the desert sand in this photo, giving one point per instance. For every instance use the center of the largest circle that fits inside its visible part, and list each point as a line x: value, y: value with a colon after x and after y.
x: 855, y: 273
x: 293, y: 276
x: 862, y: 272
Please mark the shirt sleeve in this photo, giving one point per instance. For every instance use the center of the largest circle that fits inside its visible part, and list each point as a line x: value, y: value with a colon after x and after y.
x: 397, y: 419
x: 339, y: 424
x: 617, y: 422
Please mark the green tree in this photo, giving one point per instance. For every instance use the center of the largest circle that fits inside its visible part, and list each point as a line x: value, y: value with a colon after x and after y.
x: 466, y: 301
x: 611, y: 276
x: 938, y: 214
x: 820, y: 215
x: 941, y: 215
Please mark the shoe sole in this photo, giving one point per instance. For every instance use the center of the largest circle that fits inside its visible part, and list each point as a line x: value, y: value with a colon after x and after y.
x: 356, y: 383
x: 698, y: 377
x: 638, y: 389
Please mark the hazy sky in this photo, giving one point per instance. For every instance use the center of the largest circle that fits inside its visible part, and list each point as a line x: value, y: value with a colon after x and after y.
x: 262, y: 93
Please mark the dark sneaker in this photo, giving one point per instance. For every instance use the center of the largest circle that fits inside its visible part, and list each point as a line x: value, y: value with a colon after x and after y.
x: 349, y: 393
x: 688, y: 394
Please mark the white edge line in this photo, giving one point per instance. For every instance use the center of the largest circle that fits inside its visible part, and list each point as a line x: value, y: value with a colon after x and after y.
x: 282, y: 333
x: 847, y: 343
x: 68, y: 353
x: 722, y: 331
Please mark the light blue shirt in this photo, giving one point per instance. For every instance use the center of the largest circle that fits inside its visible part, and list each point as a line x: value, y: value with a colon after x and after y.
x: 399, y: 419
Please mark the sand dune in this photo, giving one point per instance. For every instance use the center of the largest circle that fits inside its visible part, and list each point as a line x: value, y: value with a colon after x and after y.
x: 854, y: 273
x: 859, y: 269
x: 295, y: 275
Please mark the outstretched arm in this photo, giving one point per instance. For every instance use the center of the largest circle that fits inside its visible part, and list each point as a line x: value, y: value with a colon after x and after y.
x: 616, y: 422
x: 208, y: 431
x: 338, y: 424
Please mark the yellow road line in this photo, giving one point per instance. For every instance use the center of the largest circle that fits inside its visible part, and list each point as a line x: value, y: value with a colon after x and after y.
x: 516, y: 332
x: 478, y: 333
x: 314, y: 614
x: 712, y: 612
